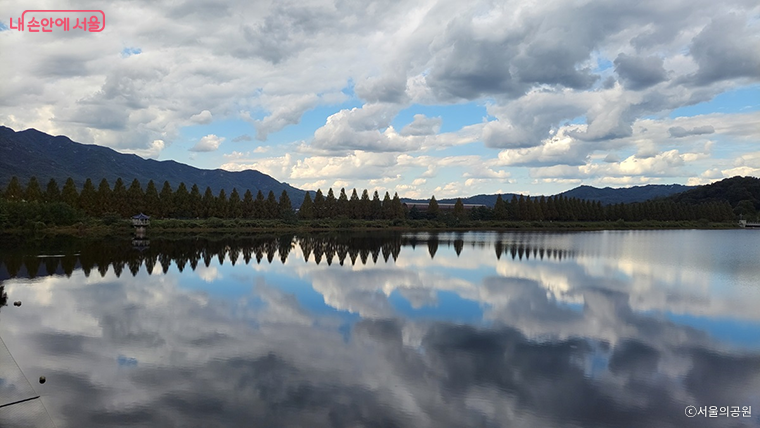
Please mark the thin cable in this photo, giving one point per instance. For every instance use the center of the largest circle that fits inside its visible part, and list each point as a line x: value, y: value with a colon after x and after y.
x: 30, y: 385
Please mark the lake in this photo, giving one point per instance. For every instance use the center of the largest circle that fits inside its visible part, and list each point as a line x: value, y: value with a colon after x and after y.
x: 476, y: 329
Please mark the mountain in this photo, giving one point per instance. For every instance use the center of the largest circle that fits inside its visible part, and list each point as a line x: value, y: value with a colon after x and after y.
x: 606, y: 195
x: 609, y: 195
x: 34, y: 153
x: 734, y: 190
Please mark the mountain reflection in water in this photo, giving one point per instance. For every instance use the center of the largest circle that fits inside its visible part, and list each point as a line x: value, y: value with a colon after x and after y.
x: 389, y: 329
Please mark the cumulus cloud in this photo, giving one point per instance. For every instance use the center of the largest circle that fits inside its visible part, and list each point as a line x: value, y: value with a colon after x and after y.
x: 678, y: 131
x: 640, y: 72
x: 209, y: 143
x: 202, y: 118
x: 537, y: 65
x: 422, y: 125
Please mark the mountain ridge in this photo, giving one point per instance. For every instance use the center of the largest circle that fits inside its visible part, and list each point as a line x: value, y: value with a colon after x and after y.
x: 34, y: 153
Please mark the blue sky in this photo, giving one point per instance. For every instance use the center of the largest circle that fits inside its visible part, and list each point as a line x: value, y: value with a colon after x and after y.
x: 420, y: 98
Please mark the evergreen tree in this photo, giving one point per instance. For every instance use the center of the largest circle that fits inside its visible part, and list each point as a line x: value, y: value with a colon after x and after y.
x: 152, y: 205
x: 88, y: 199
x: 285, y: 206
x: 376, y: 209
x: 459, y: 212
x: 103, y: 198
x: 306, y: 212
x: 33, y: 191
x: 397, y: 207
x: 248, y: 204
x: 258, y: 206
x: 195, y: 202
x: 221, y: 204
x: 14, y: 192
x: 500, y: 209
x: 512, y: 208
x: 319, y: 205
x: 432, y: 210
x: 387, y: 208
x: 69, y: 193
x: 365, y: 206
x: 353, y: 205
x: 135, y: 198
x: 167, y: 200
x: 119, y: 203
x: 271, y: 207
x: 331, y: 205
x: 52, y: 192
x: 342, y: 208
x: 182, y: 201
x: 208, y: 203
x: 235, y: 208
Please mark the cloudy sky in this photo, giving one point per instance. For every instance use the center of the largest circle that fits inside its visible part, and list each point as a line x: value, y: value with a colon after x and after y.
x: 428, y: 97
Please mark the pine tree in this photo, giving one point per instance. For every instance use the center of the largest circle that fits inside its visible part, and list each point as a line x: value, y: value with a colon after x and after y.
x: 397, y: 207
x: 459, y: 212
x: 235, y: 208
x: 208, y: 203
x: 432, y: 210
x: 376, y: 209
x: 119, y: 203
x: 52, y: 192
x: 103, y: 198
x: 33, y: 191
x: 152, y: 205
x: 181, y: 201
x: 285, y: 206
x: 167, y: 200
x: 306, y: 212
x: 258, y: 206
x: 221, y: 204
x: 271, y: 207
x: 69, y: 193
x: 342, y: 205
x: 88, y: 199
x: 386, y: 208
x: 195, y: 202
x: 14, y: 192
x: 353, y: 205
x: 135, y: 198
x: 365, y: 206
x: 331, y: 204
x: 500, y: 209
x: 319, y: 205
x: 248, y: 204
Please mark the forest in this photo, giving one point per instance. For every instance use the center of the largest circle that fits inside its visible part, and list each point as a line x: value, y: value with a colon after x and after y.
x: 22, y: 204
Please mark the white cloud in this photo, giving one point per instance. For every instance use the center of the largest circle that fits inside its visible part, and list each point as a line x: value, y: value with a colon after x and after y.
x: 203, y: 117
x: 209, y: 143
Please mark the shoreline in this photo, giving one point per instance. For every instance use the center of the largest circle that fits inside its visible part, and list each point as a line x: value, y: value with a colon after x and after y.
x: 174, y: 227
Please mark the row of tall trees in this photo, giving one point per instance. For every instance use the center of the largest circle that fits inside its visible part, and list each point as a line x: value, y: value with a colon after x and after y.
x: 166, y: 202
x: 191, y: 203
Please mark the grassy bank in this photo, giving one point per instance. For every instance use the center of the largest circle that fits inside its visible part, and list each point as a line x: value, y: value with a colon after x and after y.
x: 122, y: 228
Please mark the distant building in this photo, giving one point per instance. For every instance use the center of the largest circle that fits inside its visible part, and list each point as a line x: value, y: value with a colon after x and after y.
x: 140, y: 220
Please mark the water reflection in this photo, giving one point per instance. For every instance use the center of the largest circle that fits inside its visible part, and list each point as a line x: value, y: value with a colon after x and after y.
x: 102, y: 256
x: 423, y: 330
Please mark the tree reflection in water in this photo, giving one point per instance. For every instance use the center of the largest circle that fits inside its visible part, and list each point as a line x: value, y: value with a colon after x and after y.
x: 121, y: 256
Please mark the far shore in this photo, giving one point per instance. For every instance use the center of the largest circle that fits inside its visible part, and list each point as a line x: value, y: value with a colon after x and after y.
x: 193, y: 227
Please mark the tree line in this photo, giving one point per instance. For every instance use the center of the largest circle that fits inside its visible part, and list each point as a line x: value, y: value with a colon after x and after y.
x: 59, y: 205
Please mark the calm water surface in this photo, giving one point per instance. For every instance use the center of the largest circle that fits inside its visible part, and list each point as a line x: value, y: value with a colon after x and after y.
x: 608, y: 329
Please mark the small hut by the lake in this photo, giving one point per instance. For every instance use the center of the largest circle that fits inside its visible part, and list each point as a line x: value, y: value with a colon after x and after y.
x: 140, y: 220
x: 140, y: 223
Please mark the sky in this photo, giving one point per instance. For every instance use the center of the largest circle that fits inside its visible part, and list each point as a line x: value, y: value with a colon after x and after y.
x: 440, y: 97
